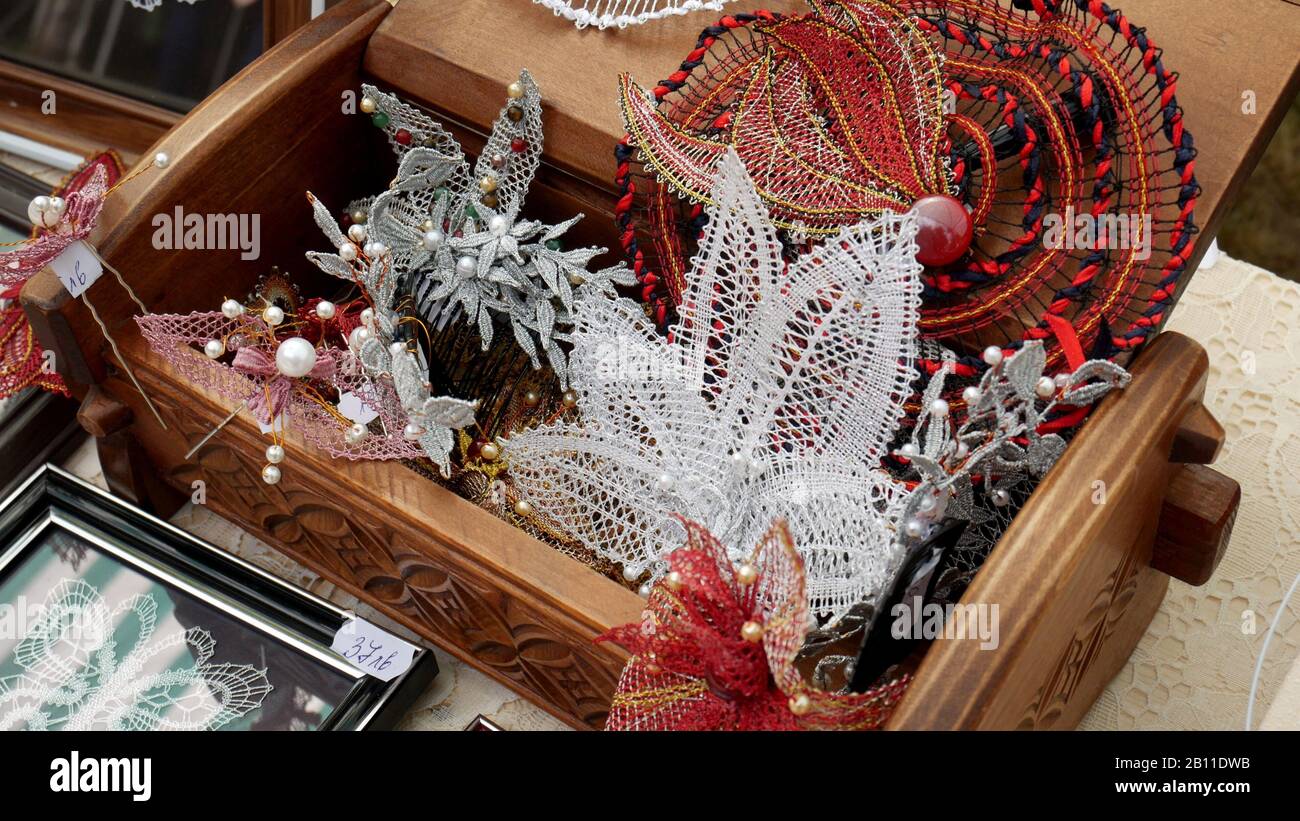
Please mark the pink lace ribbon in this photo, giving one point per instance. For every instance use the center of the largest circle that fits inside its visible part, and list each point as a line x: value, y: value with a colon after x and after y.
x: 269, y: 399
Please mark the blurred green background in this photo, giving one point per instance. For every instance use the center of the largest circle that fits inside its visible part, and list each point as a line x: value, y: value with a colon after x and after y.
x: 1263, y: 226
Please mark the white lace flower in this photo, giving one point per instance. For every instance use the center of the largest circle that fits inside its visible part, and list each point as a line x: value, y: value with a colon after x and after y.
x: 76, y: 677
x: 776, y: 397
x: 623, y: 13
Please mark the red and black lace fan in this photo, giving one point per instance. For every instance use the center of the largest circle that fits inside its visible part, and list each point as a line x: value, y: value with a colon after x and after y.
x: 1053, y: 122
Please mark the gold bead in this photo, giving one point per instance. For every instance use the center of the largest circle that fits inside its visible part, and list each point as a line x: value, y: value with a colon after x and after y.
x: 490, y: 200
x: 359, y: 217
x: 367, y: 105
x: 426, y: 226
x: 569, y: 398
x: 576, y: 279
x: 673, y: 580
x: 746, y: 574
x: 489, y: 452
x: 514, y: 113
x: 751, y: 631
x: 487, y: 184
x: 800, y: 704
x: 515, y: 90
x: 523, y: 508
x: 532, y: 399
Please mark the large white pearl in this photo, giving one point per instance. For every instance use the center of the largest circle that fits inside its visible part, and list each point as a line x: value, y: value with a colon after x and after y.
x: 396, y: 349
x: 915, y: 528
x: 992, y: 355
x: 161, y: 160
x: 666, y: 482
x: 355, y: 434
x: 466, y: 266
x: 939, y: 408
x: 368, y: 317
x: 271, y: 474
x: 275, y: 454
x: 971, y: 395
x: 348, y: 252
x: 909, y: 450
x: 631, y: 574
x: 41, y: 214
x: 375, y: 250
x: 273, y: 315
x: 1045, y: 388
x: 358, y: 337
x: 1001, y: 498
x: 295, y: 357
x: 325, y: 309
x: 214, y: 348
x: 412, y: 431
x: 357, y: 233
x: 231, y: 309
x: 498, y: 224
x: 433, y: 239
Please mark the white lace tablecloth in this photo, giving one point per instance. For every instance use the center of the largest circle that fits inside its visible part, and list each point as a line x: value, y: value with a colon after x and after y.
x: 1193, y: 669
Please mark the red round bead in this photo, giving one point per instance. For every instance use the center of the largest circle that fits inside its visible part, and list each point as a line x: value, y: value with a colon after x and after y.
x: 944, y: 230
x: 518, y: 145
x: 403, y: 136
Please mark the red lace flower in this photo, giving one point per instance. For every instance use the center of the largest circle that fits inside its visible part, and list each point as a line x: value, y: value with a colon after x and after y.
x: 716, y: 647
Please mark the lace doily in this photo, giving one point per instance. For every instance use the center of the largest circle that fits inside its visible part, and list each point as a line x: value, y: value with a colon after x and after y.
x: 776, y: 399
x: 76, y: 676
x: 622, y: 13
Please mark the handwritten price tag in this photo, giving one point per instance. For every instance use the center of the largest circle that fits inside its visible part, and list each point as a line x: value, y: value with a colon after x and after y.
x: 351, y: 406
x: 77, y: 268
x: 372, y: 650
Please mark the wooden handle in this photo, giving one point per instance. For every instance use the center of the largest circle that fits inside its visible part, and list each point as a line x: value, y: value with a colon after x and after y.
x: 1196, y: 520
x: 102, y: 414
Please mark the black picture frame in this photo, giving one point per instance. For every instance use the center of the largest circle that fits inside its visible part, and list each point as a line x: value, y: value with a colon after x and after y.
x: 54, y: 499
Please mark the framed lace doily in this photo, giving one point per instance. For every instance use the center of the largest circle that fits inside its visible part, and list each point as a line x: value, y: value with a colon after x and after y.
x: 111, y: 619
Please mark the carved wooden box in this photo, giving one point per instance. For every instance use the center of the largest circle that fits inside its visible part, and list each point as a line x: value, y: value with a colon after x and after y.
x: 1076, y: 582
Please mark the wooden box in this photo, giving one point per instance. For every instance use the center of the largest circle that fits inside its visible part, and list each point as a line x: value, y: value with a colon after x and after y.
x: 1077, y: 582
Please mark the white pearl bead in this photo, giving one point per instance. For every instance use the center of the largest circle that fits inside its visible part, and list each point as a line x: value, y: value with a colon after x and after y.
x: 939, y: 408
x: 909, y: 450
x: 355, y: 434
x: 58, y: 205
x: 231, y: 309
x: 630, y: 574
x: 359, y: 336
x: 214, y: 348
x: 295, y: 357
x: 41, y: 214
x: 271, y: 474
x: 756, y: 468
x: 348, y: 251
x: 368, y: 317
x: 665, y: 482
x: 357, y: 233
x: 1045, y: 388
x: 396, y: 349
x: 273, y: 315
x: 498, y: 224
x: 972, y: 395
x: 433, y: 239
x: 326, y: 309
x: 1001, y: 498
x: 914, y: 528
x: 161, y: 160
x: 927, y: 503
x: 367, y: 105
x: 375, y: 250
x: 275, y: 454
x: 992, y: 355
x: 644, y: 590
x: 739, y: 460
x: 412, y: 431
x: 466, y: 266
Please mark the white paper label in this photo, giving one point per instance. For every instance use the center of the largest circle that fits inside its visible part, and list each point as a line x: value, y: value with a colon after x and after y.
x: 277, y: 424
x: 77, y: 268
x: 351, y: 406
x: 372, y: 650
